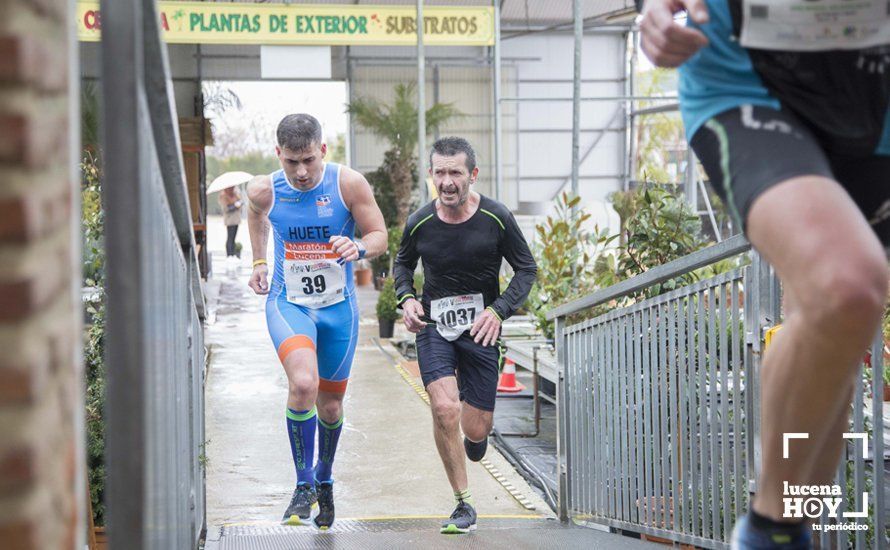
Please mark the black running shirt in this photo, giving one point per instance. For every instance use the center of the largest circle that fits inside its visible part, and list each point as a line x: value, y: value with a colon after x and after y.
x: 465, y: 258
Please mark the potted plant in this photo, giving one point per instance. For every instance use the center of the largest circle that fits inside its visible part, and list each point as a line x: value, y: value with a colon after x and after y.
x: 362, y: 273
x: 386, y: 308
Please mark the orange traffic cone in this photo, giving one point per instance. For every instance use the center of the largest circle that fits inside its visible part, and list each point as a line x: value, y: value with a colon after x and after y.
x: 508, y: 381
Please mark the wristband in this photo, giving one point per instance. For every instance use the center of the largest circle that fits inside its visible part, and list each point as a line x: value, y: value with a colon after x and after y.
x: 495, y: 313
x: 362, y: 251
x: 260, y: 262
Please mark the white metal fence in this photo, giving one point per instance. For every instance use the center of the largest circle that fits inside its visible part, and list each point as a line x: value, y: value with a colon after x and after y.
x: 155, y: 350
x: 659, y: 408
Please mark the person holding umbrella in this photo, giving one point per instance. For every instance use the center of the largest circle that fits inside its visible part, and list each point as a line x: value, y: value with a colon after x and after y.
x: 230, y: 203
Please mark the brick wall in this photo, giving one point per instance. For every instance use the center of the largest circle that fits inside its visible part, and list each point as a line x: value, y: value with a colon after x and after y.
x: 40, y: 375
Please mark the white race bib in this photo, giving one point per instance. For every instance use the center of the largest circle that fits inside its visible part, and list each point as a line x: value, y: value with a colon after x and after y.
x: 313, y: 277
x: 455, y: 314
x: 814, y: 25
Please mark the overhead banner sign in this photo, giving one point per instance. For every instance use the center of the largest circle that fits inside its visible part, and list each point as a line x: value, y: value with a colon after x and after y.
x: 307, y: 24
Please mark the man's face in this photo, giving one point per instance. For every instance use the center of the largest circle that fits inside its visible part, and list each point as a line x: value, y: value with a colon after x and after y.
x: 452, y: 179
x: 303, y: 168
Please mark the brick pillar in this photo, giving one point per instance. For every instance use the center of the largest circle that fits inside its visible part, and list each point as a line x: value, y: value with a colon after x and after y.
x: 41, y: 498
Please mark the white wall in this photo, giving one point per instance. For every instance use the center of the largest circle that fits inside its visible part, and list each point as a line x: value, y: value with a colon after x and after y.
x: 545, y: 67
x: 464, y: 84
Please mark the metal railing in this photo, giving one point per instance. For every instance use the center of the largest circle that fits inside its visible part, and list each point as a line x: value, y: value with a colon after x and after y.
x: 155, y: 350
x: 659, y: 407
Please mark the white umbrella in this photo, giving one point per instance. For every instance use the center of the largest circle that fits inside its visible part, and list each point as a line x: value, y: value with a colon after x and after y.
x: 229, y: 179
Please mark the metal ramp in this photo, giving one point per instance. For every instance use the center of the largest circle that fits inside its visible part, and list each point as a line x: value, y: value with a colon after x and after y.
x: 415, y: 533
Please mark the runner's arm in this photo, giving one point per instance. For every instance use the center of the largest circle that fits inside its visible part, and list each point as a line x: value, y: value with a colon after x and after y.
x: 359, y: 198
x: 404, y: 265
x: 259, y: 199
x: 515, y: 250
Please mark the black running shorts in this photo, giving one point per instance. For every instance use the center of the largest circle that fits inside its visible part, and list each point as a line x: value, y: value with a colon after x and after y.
x: 747, y: 150
x: 476, y: 366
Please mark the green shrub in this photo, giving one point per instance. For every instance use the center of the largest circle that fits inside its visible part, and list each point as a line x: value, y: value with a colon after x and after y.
x: 94, y: 350
x: 657, y: 229
x: 564, y: 251
x: 386, y: 302
x: 94, y: 346
x: 382, y: 186
x: 885, y: 325
x: 92, y: 218
x: 383, y: 264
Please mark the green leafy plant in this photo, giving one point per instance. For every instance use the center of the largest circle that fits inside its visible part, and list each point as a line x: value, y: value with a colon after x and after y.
x: 386, y: 301
x: 94, y: 346
x: 202, y: 454
x: 383, y: 264
x: 381, y: 181
x: 394, y: 240
x: 563, y: 251
x: 657, y: 227
x: 92, y: 218
x: 885, y: 323
x: 89, y: 118
x: 397, y: 123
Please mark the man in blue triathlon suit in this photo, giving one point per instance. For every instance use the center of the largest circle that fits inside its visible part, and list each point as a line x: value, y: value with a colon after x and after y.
x: 462, y: 238
x: 785, y: 103
x: 312, y: 207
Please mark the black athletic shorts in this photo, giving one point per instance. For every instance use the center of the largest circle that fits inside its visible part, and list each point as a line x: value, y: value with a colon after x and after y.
x: 476, y: 366
x: 747, y: 150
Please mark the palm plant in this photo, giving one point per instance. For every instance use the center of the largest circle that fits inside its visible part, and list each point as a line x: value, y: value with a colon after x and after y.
x: 397, y: 123
x: 89, y: 118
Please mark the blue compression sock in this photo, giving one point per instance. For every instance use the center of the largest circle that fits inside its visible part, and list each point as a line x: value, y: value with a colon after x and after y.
x: 328, y: 436
x: 301, y: 431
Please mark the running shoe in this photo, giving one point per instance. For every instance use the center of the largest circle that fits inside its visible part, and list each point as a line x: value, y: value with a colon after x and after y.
x: 301, y: 504
x: 462, y: 520
x: 746, y: 537
x: 325, y: 517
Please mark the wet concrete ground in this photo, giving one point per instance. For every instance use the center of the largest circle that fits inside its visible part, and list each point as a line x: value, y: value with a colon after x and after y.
x: 387, y: 464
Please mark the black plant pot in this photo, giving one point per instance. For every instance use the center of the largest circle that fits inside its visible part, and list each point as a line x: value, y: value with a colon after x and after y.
x: 386, y: 327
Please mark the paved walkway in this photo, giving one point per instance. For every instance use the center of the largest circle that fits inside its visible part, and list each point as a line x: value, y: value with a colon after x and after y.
x: 387, y: 464
x: 390, y: 487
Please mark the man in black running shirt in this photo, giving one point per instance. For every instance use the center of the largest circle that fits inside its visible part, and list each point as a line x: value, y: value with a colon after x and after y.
x: 462, y: 238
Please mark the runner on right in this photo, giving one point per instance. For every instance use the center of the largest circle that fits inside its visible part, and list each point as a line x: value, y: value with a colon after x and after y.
x: 785, y: 103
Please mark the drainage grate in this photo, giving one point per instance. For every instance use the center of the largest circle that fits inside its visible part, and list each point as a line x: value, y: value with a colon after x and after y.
x: 507, y: 534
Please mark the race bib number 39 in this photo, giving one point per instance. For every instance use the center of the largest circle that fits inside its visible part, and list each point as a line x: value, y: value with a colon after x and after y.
x: 456, y: 314
x: 814, y: 25
x: 312, y: 276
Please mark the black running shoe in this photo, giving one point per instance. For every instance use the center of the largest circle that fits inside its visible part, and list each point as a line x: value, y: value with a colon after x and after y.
x: 462, y: 520
x: 475, y: 451
x: 325, y: 517
x: 301, y: 504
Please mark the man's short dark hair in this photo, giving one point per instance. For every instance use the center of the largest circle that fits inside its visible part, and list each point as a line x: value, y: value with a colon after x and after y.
x: 451, y: 146
x: 298, y: 132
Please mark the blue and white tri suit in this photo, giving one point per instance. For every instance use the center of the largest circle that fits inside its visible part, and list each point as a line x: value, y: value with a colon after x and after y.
x: 312, y: 302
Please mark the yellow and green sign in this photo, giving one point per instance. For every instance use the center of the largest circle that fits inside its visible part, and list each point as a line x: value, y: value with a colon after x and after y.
x: 307, y: 24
